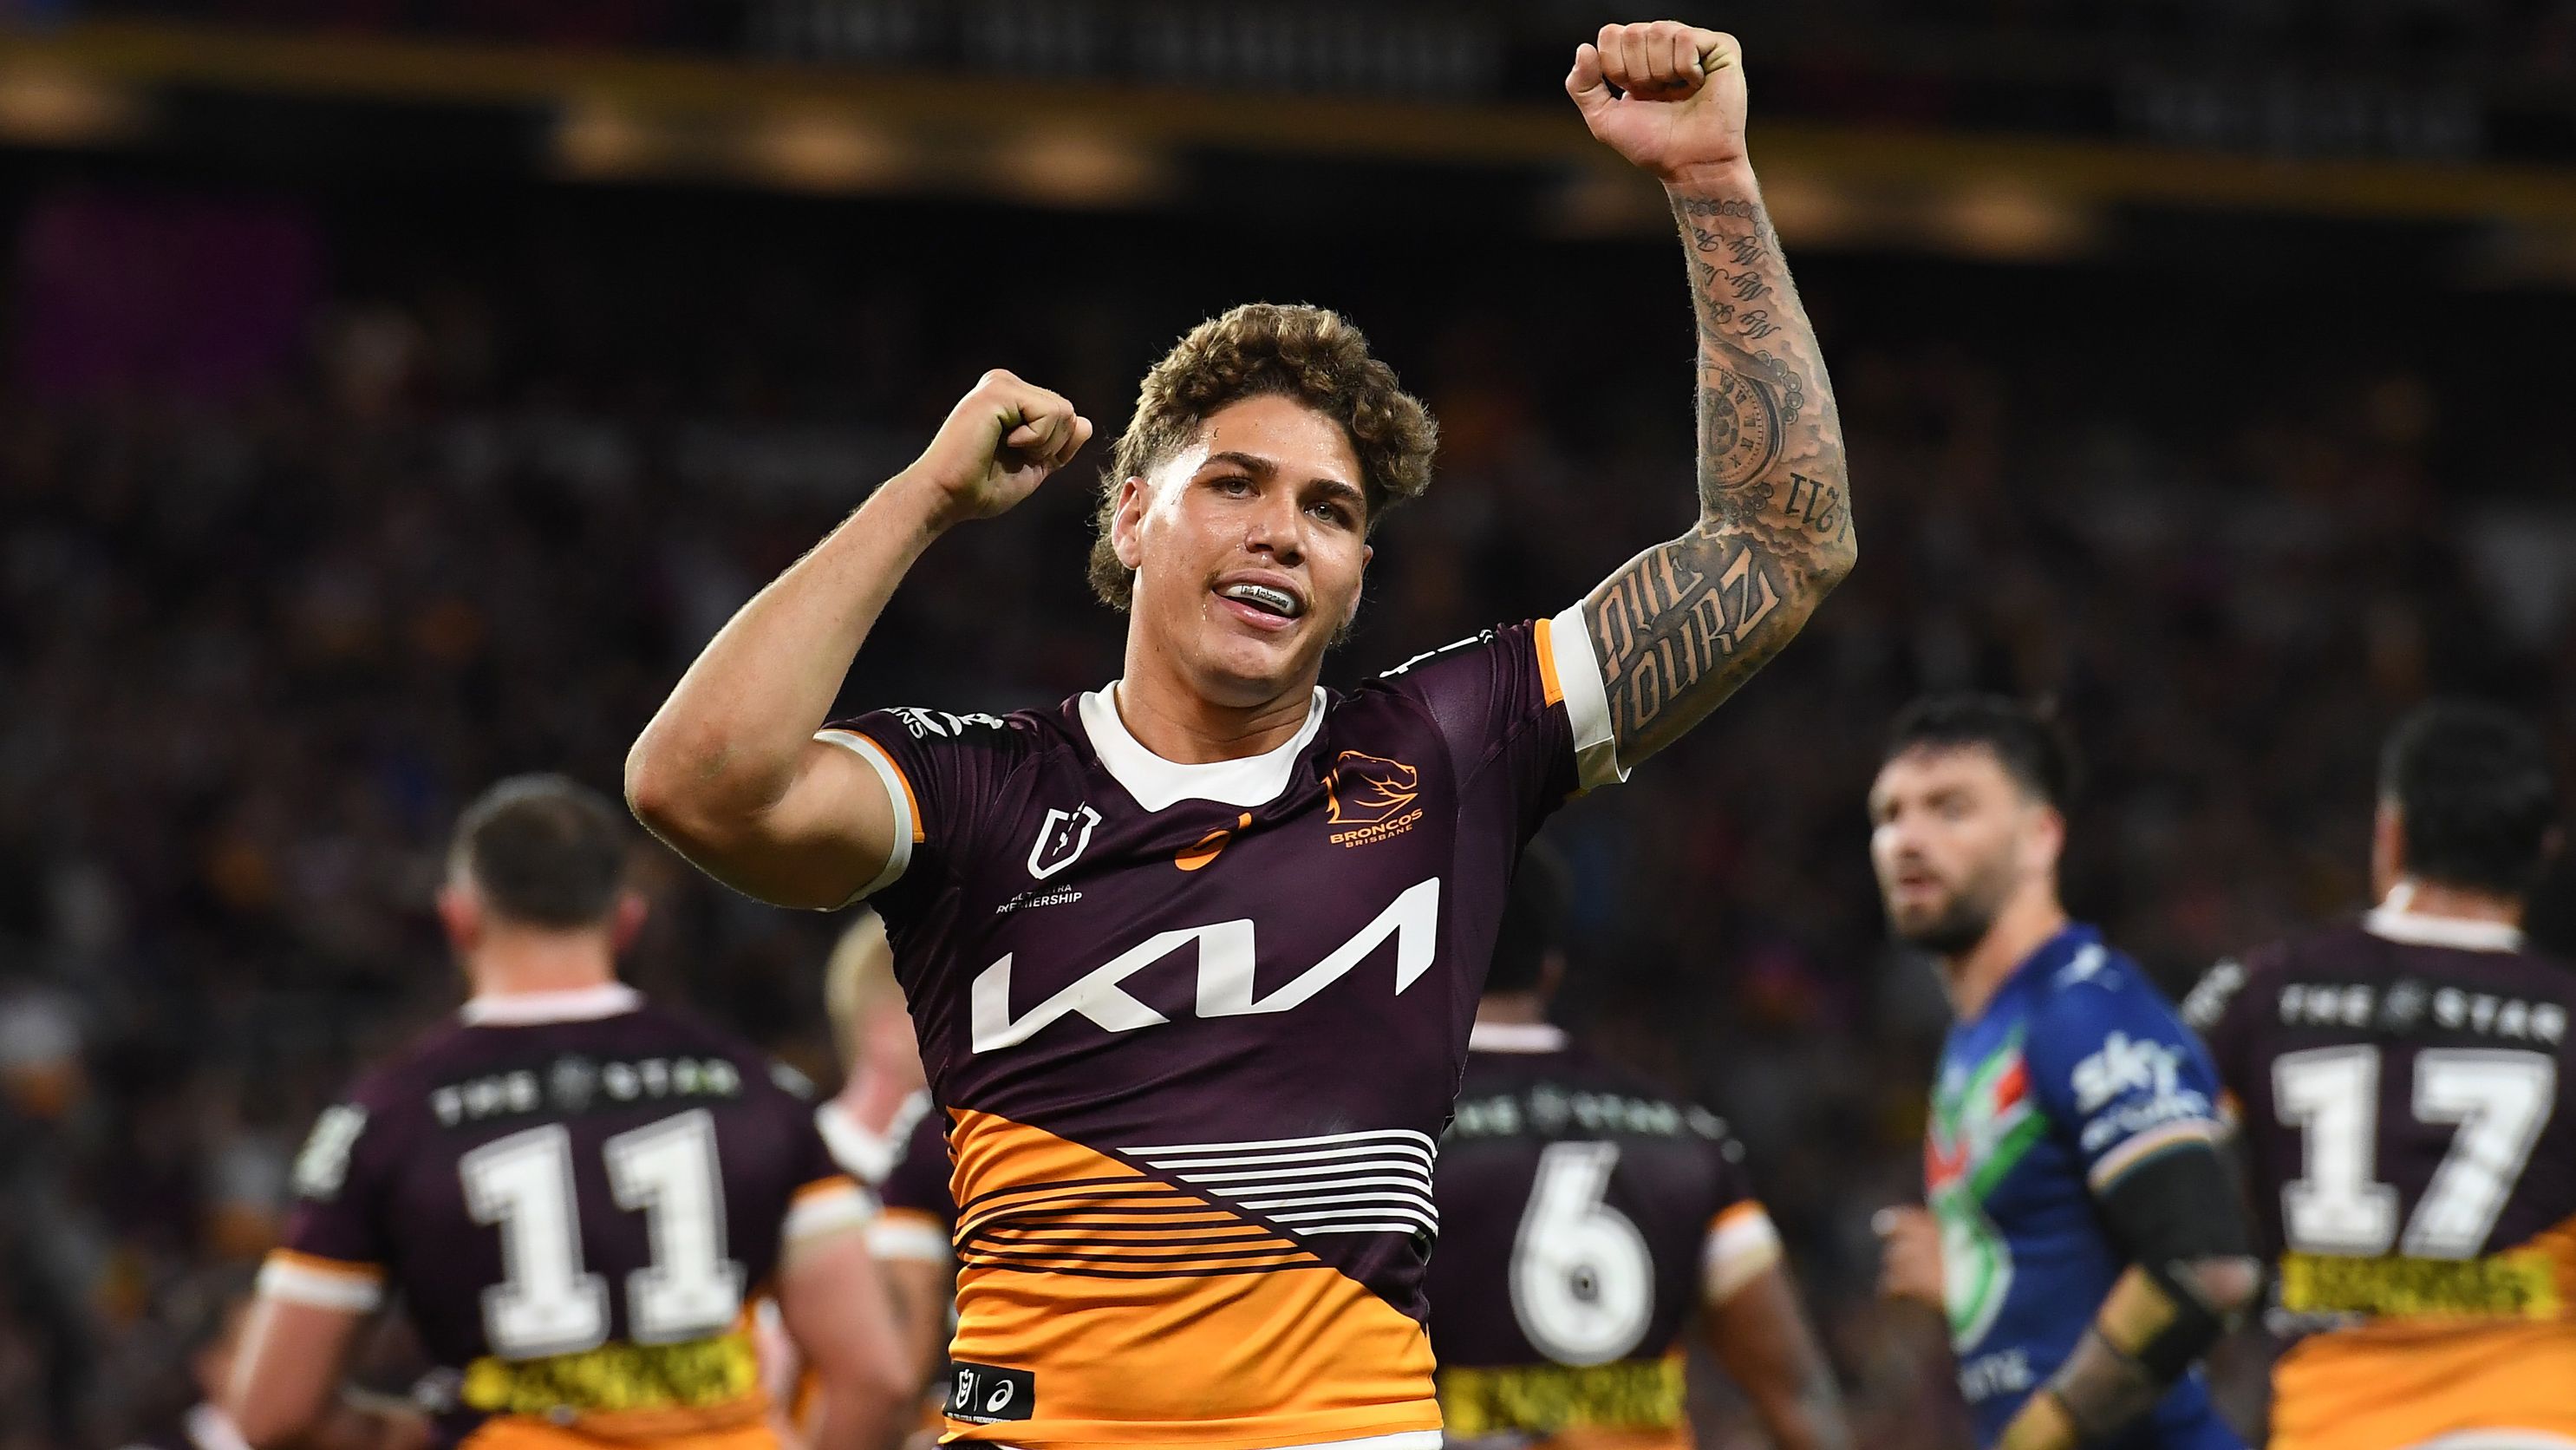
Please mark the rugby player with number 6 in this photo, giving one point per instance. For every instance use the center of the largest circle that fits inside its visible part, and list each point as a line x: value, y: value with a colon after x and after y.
x: 1193, y: 956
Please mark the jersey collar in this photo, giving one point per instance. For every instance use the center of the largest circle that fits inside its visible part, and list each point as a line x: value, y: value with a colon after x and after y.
x: 868, y: 1156
x: 2076, y: 952
x: 1255, y: 780
x: 574, y: 1004
x: 2395, y: 923
x: 1515, y: 1037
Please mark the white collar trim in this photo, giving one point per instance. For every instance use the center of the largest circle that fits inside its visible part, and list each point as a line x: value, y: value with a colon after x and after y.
x: 1254, y: 780
x: 1515, y: 1037
x: 2394, y: 923
x: 574, y: 1004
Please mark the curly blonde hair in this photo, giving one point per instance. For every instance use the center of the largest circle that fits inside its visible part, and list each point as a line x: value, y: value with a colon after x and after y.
x: 1263, y: 349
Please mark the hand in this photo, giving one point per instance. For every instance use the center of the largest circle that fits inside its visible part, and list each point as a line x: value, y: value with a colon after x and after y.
x: 1678, y: 107
x: 1909, y: 1265
x: 999, y: 443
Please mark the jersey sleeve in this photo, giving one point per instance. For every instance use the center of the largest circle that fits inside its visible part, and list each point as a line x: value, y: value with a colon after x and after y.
x: 2216, y: 1009
x: 2117, y: 1071
x: 823, y: 1198
x: 920, y: 1218
x: 1525, y: 700
x: 334, y: 1252
x: 1742, y: 1241
x: 937, y: 768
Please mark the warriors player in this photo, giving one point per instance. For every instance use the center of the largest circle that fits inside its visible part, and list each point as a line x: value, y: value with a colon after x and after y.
x: 2403, y: 1092
x: 2085, y: 1237
x: 1586, y: 1219
x: 572, y: 1192
x: 1192, y: 957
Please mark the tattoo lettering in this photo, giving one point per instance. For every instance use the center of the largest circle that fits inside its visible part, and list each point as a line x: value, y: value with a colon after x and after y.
x: 1684, y: 623
x: 1817, y: 507
x: 1676, y: 615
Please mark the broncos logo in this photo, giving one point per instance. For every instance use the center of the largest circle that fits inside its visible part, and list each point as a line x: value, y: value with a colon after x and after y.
x: 1365, y: 789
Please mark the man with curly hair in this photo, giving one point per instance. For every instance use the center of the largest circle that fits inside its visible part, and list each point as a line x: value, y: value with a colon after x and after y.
x: 1193, y: 956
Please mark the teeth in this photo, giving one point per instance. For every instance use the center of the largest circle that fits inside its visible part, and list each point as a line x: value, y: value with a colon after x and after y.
x: 1275, y: 599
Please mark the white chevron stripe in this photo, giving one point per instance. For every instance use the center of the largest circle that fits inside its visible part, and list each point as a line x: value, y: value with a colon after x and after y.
x: 1325, y: 1139
x: 1378, y: 1181
x: 1410, y: 1170
x: 1410, y: 1151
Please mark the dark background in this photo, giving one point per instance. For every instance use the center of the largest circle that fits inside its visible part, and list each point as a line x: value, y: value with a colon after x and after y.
x: 396, y: 396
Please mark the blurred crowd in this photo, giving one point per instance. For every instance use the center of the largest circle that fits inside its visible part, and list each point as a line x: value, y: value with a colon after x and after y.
x: 456, y: 489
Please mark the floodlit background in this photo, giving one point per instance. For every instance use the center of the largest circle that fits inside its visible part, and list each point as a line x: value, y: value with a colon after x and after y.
x: 396, y: 395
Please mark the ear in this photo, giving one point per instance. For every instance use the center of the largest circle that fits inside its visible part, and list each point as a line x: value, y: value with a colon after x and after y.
x: 2048, y: 840
x: 461, y: 913
x: 628, y: 920
x: 1127, y: 522
x: 2387, y: 849
x: 1367, y: 552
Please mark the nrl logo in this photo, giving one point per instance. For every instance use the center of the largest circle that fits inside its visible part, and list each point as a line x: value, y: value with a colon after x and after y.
x: 1061, y: 840
x: 1365, y: 789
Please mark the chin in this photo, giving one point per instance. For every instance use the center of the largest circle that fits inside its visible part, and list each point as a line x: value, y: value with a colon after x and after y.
x: 1243, y: 672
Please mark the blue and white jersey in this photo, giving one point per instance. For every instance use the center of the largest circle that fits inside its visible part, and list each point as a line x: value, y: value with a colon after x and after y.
x: 2076, y: 1072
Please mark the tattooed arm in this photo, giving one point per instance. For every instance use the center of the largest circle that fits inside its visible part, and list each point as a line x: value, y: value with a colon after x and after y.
x: 1677, y: 628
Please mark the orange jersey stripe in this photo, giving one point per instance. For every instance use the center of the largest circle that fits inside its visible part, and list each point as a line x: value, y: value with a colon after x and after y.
x: 1548, y: 683
x: 1150, y: 1315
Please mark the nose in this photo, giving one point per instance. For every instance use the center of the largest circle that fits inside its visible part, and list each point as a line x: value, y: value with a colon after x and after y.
x: 1277, y: 528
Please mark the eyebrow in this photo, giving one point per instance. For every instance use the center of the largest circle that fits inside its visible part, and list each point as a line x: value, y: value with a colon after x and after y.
x: 1260, y: 467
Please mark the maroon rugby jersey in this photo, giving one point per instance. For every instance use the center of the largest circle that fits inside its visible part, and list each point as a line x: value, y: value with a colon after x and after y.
x: 918, y: 1217
x: 1585, y: 1217
x: 573, y: 1194
x: 2403, y: 1090
x: 1197, y: 1027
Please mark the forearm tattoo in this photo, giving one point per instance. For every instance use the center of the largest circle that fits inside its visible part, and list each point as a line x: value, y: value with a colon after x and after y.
x: 1684, y: 623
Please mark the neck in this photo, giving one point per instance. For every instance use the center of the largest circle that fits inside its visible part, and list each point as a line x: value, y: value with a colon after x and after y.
x: 1973, y: 976
x: 1512, y: 1009
x: 871, y: 1098
x: 2418, y: 897
x: 513, y: 961
x: 1184, y: 726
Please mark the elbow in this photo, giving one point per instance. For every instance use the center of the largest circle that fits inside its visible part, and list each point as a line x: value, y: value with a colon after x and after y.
x: 2227, y: 1287
x: 265, y: 1426
x: 676, y: 800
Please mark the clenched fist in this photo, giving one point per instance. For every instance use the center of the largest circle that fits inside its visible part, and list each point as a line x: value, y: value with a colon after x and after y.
x: 1909, y: 1265
x: 1668, y: 96
x: 999, y: 443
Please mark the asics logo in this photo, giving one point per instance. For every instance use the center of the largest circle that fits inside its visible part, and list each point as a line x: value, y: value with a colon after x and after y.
x: 1226, y: 953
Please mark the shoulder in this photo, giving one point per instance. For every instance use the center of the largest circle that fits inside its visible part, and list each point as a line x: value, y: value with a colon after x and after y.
x: 2225, y: 990
x: 2100, y: 1001
x: 757, y: 1076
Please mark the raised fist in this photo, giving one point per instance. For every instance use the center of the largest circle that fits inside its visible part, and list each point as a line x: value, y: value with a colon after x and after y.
x: 999, y: 443
x: 1668, y: 96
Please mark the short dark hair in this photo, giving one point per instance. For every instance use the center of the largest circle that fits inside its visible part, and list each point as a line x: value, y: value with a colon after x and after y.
x: 2473, y: 787
x: 1533, y: 921
x: 2026, y: 739
x: 545, y: 850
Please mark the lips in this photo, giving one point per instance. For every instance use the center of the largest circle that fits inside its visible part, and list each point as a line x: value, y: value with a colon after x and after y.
x: 1265, y: 602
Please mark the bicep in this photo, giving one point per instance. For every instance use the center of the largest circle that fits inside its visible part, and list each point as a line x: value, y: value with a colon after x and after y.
x: 1677, y: 629
x: 921, y: 1289
x: 1760, y: 1334
x: 287, y: 1372
x: 834, y: 1306
x: 837, y: 832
